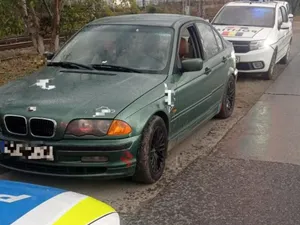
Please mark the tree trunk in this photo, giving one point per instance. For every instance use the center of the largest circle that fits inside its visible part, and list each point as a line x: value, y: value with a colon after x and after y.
x: 54, y: 45
x: 32, y: 26
x: 295, y: 5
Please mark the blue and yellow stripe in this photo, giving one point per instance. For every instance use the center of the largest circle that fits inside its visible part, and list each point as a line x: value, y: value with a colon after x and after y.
x: 45, y: 205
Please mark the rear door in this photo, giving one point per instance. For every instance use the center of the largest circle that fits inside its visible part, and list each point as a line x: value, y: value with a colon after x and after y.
x: 216, y: 59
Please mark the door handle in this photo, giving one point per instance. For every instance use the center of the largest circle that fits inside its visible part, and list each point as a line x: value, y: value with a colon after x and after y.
x: 224, y: 59
x: 207, y: 70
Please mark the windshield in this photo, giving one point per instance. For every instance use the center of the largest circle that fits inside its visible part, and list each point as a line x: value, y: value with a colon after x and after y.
x: 246, y: 16
x: 144, y: 48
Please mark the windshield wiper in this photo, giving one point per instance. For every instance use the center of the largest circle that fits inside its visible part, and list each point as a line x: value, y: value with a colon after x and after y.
x: 114, y: 68
x: 73, y: 65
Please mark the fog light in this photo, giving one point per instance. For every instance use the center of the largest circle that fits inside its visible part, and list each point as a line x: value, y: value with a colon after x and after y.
x: 94, y: 159
x: 258, y: 65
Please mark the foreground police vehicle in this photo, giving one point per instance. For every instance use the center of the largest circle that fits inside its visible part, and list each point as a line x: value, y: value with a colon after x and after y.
x: 29, y: 204
x: 260, y: 32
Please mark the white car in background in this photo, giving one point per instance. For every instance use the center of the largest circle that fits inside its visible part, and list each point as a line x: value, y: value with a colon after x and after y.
x: 260, y: 32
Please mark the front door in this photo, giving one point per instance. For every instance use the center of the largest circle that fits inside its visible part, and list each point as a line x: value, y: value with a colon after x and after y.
x: 192, y: 90
x: 287, y: 34
x: 283, y: 37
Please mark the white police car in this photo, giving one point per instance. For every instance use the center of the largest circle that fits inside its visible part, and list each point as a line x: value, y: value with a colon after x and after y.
x: 260, y: 32
x: 28, y: 204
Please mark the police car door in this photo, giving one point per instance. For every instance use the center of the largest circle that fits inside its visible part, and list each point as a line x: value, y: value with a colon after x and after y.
x: 288, y: 32
x: 282, y: 33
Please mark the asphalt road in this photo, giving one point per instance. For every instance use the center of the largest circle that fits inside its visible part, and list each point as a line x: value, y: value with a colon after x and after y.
x: 128, y: 197
x: 251, y: 177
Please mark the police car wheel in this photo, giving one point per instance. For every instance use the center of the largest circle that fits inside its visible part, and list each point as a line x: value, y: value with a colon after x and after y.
x: 151, y: 157
x: 269, y: 75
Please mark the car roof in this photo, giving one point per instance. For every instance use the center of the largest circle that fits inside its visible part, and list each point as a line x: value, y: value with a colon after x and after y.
x: 151, y: 19
x: 270, y: 4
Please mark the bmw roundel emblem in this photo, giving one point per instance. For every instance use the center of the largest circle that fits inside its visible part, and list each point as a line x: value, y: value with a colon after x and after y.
x: 31, y: 109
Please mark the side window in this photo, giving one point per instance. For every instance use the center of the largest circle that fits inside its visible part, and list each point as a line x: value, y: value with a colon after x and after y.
x: 187, y: 47
x: 280, y: 19
x: 284, y: 14
x: 208, y: 40
x: 219, y: 40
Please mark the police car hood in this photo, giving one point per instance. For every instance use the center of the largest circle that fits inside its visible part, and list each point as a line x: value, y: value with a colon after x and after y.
x: 234, y: 32
x: 23, y: 204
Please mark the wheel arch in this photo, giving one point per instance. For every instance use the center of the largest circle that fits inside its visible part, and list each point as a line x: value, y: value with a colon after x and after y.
x: 141, y: 118
x: 165, y: 118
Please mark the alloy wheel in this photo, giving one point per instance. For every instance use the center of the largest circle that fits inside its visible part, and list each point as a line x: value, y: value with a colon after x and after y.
x: 157, y: 153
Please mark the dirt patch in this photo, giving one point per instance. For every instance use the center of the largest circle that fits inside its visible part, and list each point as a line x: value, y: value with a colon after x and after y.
x: 18, y: 67
x: 297, y: 18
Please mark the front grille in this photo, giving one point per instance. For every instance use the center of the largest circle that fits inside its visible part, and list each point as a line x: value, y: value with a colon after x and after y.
x: 42, y: 127
x: 16, y: 124
x: 241, y: 46
x: 51, y: 169
x: 244, y: 66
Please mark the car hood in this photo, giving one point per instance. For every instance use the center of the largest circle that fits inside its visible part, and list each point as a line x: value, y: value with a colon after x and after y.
x: 55, y: 92
x: 23, y: 203
x: 243, y: 32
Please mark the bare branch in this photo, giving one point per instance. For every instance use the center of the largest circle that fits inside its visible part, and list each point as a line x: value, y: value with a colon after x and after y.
x: 48, y: 9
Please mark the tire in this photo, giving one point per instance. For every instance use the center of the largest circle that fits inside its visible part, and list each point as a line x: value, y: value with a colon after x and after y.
x: 228, y: 99
x: 270, y: 73
x: 285, y: 59
x: 151, y: 160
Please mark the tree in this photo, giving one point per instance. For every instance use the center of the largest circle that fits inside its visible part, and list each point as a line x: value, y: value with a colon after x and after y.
x: 40, y: 19
x: 10, y: 21
x: 57, y: 6
x: 295, y: 6
x: 32, y: 23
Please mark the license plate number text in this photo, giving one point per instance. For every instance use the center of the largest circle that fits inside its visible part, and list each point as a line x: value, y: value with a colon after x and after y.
x: 27, y: 151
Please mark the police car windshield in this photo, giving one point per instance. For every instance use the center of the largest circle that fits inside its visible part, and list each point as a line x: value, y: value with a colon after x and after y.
x: 246, y: 16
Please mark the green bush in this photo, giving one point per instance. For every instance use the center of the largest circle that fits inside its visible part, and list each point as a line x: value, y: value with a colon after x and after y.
x: 10, y: 22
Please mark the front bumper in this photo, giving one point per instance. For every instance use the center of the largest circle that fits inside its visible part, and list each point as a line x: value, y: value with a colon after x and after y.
x: 118, y: 158
x: 248, y: 61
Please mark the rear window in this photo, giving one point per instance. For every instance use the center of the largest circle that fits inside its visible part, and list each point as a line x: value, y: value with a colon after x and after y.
x: 246, y: 16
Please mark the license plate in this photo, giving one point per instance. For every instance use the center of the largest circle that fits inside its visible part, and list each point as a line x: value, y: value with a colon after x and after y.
x: 237, y: 59
x: 26, y: 151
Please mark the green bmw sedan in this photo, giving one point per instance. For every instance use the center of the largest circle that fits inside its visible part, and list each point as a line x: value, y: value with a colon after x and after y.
x: 117, y: 95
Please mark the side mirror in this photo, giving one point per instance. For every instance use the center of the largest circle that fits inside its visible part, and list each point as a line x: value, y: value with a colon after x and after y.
x: 291, y: 16
x: 190, y: 65
x: 285, y: 26
x: 49, y: 55
x: 207, y: 20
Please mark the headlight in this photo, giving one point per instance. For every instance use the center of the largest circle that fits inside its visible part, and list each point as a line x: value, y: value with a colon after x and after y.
x: 255, y: 45
x: 110, y: 219
x: 98, y: 127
